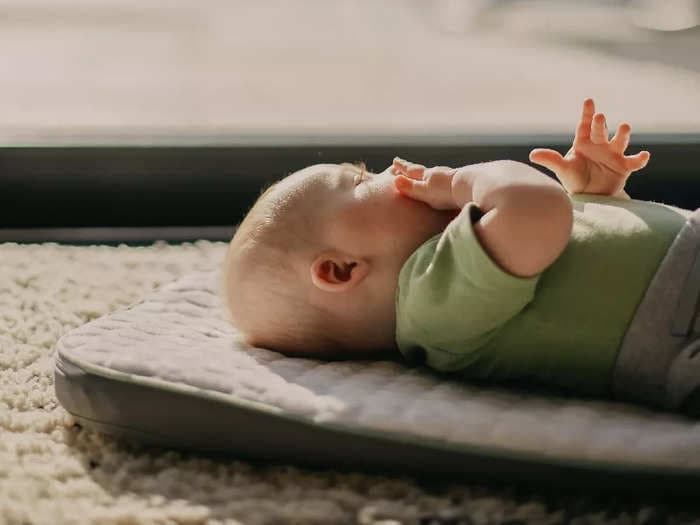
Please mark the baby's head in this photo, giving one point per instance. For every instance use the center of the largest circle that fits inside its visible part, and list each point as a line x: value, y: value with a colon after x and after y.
x: 313, y: 268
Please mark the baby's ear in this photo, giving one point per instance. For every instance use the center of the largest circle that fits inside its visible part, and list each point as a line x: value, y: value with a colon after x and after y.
x: 334, y: 271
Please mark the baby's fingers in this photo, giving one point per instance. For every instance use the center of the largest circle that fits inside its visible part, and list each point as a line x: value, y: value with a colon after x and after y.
x: 638, y: 161
x: 583, y: 130
x: 550, y: 159
x: 599, y: 129
x: 622, y: 137
x: 398, y: 166
x: 409, y: 169
x: 412, y: 188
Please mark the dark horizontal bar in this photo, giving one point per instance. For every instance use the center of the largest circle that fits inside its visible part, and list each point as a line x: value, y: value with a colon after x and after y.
x: 194, y: 186
x: 135, y: 236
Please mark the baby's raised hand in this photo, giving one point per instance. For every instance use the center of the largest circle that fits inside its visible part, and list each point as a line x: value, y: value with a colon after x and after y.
x: 432, y: 186
x: 594, y: 164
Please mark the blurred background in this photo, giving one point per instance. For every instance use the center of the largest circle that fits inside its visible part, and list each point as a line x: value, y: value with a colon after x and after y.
x: 134, y: 69
x: 155, y: 113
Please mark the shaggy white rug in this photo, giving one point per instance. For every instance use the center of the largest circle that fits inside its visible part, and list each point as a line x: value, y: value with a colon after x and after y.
x: 52, y: 471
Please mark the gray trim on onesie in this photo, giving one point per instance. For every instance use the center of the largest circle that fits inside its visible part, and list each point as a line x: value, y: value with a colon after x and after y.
x: 659, y: 360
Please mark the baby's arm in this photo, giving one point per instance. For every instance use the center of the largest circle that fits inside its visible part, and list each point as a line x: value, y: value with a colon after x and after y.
x: 527, y: 217
x: 594, y: 164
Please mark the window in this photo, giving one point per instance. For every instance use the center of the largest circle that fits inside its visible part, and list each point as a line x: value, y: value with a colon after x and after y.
x: 143, y: 104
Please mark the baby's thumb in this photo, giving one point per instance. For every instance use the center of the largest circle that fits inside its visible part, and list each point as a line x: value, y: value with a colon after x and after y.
x: 550, y: 159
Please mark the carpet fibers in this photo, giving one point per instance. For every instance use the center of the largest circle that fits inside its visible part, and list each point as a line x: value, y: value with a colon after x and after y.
x: 53, y: 471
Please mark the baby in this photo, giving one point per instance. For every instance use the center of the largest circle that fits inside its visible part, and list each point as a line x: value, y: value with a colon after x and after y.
x: 492, y: 271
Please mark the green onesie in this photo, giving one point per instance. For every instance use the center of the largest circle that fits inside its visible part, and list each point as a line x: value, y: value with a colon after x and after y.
x: 457, y: 310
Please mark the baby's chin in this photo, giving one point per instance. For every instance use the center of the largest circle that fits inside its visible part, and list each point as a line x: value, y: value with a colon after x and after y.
x: 437, y: 220
x: 359, y: 353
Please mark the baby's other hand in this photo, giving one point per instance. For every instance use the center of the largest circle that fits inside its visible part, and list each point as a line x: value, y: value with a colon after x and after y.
x: 594, y: 164
x: 433, y: 186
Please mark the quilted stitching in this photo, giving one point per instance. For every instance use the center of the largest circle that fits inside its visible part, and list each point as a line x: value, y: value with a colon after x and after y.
x: 180, y: 334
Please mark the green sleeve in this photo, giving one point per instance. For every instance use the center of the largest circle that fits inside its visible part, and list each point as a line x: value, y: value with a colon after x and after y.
x: 453, y: 298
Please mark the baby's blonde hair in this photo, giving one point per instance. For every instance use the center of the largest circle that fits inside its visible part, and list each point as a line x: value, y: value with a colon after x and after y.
x: 263, y: 288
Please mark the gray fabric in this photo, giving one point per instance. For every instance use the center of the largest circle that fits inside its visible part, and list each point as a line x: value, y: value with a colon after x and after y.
x: 140, y: 412
x: 663, y: 328
x: 683, y: 378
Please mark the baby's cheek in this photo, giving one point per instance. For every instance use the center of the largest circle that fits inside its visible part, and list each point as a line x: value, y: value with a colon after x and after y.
x: 384, y: 219
x: 404, y: 220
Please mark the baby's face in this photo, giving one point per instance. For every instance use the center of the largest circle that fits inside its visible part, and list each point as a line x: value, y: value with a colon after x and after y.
x: 366, y: 215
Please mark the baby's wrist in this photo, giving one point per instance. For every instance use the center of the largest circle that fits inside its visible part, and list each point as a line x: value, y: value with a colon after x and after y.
x: 462, y: 187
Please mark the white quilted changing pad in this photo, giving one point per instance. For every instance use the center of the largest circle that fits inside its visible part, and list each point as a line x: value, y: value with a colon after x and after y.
x: 170, y: 370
